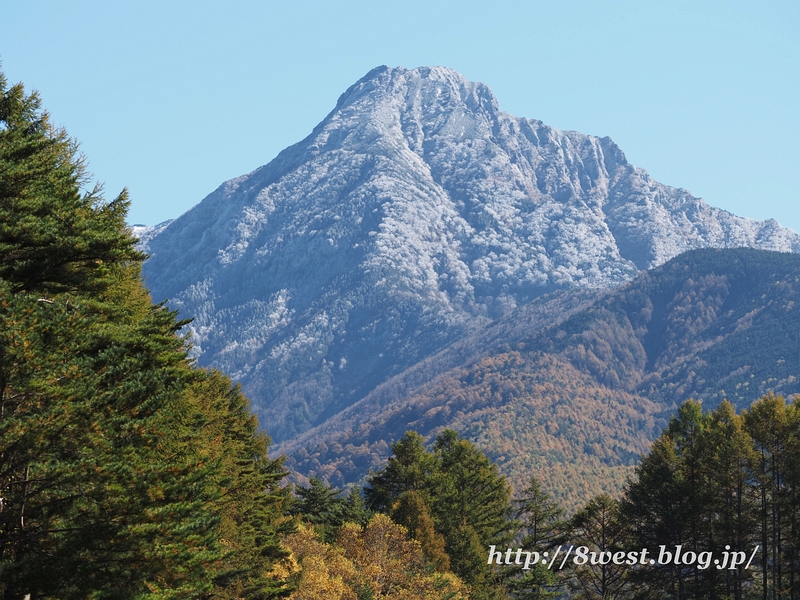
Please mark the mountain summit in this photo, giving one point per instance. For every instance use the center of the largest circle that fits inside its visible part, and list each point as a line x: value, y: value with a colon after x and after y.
x: 414, y: 213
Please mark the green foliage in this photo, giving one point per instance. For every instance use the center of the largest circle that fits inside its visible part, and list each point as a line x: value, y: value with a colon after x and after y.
x: 100, y: 493
x: 773, y: 428
x: 469, y: 559
x: 249, y: 503
x: 319, y: 503
x: 730, y: 457
x: 671, y: 502
x: 471, y: 494
x: 326, y: 509
x: 715, y: 482
x: 412, y: 512
x: 322, y: 506
x: 410, y: 468
x: 52, y: 238
x: 124, y: 473
x: 541, y: 517
x: 599, y: 527
x: 543, y: 529
x: 355, y: 511
x: 469, y: 500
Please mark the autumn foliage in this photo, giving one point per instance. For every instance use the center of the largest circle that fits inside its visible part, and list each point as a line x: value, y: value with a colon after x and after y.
x: 375, y: 561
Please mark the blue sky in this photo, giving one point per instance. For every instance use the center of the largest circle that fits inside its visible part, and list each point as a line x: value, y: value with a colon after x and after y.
x: 172, y: 98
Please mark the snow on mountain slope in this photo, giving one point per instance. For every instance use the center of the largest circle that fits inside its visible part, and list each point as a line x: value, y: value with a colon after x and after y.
x: 415, y: 212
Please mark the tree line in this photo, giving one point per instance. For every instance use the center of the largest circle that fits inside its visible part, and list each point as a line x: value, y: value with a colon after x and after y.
x: 715, y: 486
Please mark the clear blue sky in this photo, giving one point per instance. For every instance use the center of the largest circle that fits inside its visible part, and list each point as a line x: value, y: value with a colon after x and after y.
x: 172, y: 98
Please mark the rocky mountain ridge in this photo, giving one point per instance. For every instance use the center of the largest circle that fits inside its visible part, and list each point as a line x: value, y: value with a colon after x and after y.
x: 413, y: 215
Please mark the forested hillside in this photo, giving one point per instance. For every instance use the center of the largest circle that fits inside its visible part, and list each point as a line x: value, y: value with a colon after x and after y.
x: 124, y: 472
x: 578, y: 402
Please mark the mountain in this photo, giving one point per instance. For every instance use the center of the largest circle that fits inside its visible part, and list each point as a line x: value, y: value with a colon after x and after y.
x: 576, y: 401
x: 415, y: 215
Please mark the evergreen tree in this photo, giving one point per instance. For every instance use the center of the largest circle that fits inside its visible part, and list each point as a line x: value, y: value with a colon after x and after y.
x: 719, y: 482
x: 355, y: 511
x: 768, y: 424
x: 469, y: 488
x: 543, y: 529
x: 52, y: 237
x: 123, y: 472
x: 249, y: 503
x: 664, y: 503
x: 792, y: 498
x: 322, y: 506
x: 468, y: 498
x: 411, y: 512
x: 469, y: 562
x: 599, y: 527
x: 100, y: 493
x: 410, y: 468
x: 732, y: 502
x: 472, y: 505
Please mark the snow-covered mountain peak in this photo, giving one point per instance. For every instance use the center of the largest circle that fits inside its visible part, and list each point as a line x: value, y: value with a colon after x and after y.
x: 423, y: 88
x: 413, y: 213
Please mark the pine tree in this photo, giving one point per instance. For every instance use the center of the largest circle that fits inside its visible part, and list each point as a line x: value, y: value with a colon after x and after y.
x: 768, y: 424
x: 99, y: 491
x: 599, y: 527
x: 664, y: 503
x: 411, y: 512
x: 113, y: 484
x: 249, y: 502
x: 470, y: 487
x: 410, y: 468
x: 84, y: 448
x: 472, y: 508
x: 544, y: 529
x: 468, y: 498
x: 792, y: 544
x: 469, y: 563
x: 733, y: 505
x: 355, y: 511
x: 52, y: 237
x: 322, y: 506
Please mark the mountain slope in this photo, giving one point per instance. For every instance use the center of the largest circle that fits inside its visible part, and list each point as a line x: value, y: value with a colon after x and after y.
x: 415, y: 214
x: 577, y: 402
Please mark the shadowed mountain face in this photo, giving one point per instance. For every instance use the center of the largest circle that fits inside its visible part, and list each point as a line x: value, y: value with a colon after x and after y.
x: 415, y: 214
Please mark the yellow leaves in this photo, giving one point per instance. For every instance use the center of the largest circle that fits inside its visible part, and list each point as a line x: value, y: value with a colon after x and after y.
x: 325, y: 569
x: 381, y: 552
x: 378, y: 557
x: 283, y: 570
x: 319, y: 582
